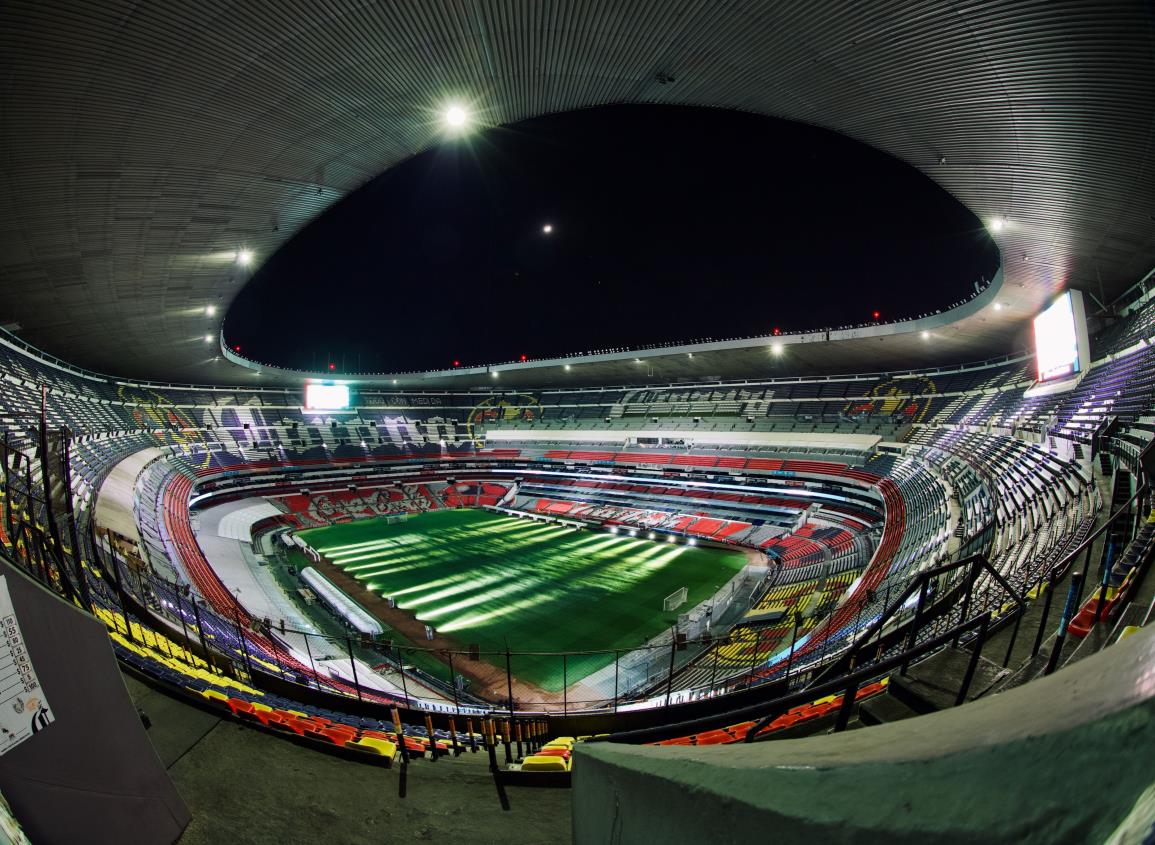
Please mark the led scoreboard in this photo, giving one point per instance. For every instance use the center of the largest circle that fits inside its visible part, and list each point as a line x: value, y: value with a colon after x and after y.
x: 1061, y: 347
x: 326, y: 396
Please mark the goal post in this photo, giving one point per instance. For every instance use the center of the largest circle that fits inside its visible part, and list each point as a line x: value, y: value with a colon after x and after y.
x: 675, y: 599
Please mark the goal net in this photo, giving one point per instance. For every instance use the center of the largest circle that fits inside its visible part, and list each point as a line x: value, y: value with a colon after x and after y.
x: 675, y: 599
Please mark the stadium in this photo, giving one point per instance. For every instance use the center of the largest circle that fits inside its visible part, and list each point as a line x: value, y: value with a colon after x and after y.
x: 876, y: 579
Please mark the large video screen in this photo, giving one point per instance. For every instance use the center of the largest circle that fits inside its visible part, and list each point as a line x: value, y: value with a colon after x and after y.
x: 1061, y: 338
x: 326, y: 397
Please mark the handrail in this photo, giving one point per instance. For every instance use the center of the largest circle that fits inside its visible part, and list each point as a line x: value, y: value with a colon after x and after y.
x: 786, y: 702
x: 1060, y: 566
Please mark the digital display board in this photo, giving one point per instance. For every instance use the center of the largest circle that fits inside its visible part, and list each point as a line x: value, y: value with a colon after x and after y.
x: 326, y: 397
x: 1061, y: 338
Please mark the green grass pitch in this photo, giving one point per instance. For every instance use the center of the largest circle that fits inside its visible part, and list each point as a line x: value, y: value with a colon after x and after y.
x: 481, y: 577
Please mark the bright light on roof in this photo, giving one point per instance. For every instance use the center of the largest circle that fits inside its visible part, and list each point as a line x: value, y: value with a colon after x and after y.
x: 547, y: 228
x: 996, y: 224
x: 245, y: 257
x: 776, y: 349
x: 456, y: 116
x: 568, y: 367
x: 692, y: 542
x: 493, y: 373
x: 998, y: 306
x: 210, y: 310
x: 208, y: 338
x: 925, y: 335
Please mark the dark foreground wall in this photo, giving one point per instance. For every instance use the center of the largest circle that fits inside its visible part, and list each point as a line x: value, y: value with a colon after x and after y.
x: 1062, y: 759
x: 91, y: 776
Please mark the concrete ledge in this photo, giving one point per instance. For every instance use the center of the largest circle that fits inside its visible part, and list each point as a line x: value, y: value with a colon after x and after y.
x: 1062, y: 759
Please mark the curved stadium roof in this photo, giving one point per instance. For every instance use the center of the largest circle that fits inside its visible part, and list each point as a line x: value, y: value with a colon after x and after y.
x: 144, y: 144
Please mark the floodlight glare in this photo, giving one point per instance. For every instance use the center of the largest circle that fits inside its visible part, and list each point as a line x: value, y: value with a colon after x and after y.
x: 245, y: 257
x: 210, y: 310
x: 776, y: 349
x: 455, y: 116
x: 547, y: 228
x: 208, y: 338
x: 925, y: 335
x: 996, y: 224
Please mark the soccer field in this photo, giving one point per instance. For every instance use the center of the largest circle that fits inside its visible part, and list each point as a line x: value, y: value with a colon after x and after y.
x: 483, y: 578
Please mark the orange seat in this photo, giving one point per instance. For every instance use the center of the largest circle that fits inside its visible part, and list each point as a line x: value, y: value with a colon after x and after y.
x: 338, y: 735
x: 240, y: 707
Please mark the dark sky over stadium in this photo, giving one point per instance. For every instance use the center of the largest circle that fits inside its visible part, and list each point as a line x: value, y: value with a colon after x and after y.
x: 668, y: 224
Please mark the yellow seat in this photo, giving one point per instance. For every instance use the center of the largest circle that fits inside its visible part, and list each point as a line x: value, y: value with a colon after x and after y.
x: 544, y: 763
x: 1128, y: 631
x: 264, y: 708
x: 214, y: 695
x: 372, y: 745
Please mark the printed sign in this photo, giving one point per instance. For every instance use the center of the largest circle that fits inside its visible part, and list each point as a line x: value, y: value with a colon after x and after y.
x: 23, y: 708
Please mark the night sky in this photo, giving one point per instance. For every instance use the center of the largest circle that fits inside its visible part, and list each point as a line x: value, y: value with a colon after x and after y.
x: 669, y: 224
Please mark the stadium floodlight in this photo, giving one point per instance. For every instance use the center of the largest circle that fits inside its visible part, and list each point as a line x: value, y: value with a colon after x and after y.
x: 208, y: 338
x: 670, y: 538
x: 244, y: 257
x: 568, y: 368
x: 652, y: 535
x: 998, y: 306
x: 210, y: 310
x: 925, y: 334
x: 776, y: 349
x: 692, y: 542
x: 996, y: 224
x: 493, y: 373
x: 456, y: 116
x: 547, y: 228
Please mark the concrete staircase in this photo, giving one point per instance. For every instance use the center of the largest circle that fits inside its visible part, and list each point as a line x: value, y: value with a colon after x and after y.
x: 930, y: 686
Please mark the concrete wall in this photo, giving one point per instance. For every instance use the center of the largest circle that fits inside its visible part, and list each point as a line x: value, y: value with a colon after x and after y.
x: 1062, y: 759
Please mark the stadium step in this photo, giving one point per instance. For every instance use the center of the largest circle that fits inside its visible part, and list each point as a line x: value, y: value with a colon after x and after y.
x: 934, y: 683
x: 882, y: 709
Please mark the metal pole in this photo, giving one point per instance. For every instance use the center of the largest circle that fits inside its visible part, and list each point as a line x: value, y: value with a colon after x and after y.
x: 401, y: 668
x: 183, y: 626
x: 1074, y: 591
x: 1104, y: 579
x: 790, y: 657
x: 976, y: 651
x: 616, y: 657
x: 453, y: 686
x: 312, y: 665
x: 244, y: 645
x: 509, y: 680
x: 353, y: 664
x: 196, y: 618
x: 670, y: 677
x: 1050, y: 589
